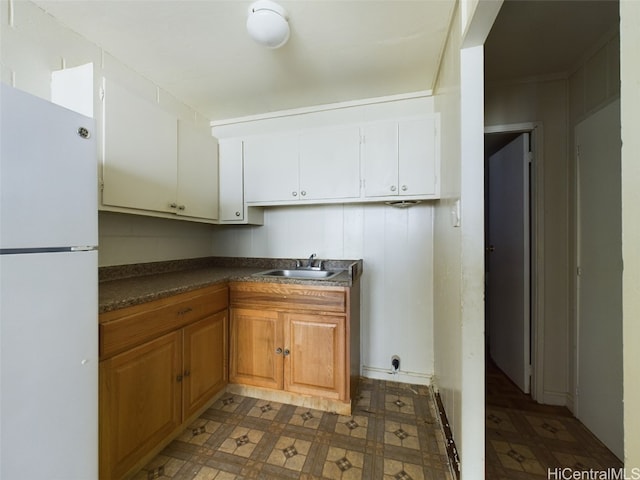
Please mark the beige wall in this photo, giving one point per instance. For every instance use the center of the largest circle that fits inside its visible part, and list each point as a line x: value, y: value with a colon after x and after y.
x: 630, y: 119
x: 33, y: 45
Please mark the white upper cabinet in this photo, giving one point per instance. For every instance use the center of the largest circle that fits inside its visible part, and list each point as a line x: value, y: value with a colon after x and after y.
x: 330, y: 164
x: 197, y: 182
x: 400, y: 158
x: 231, y: 183
x: 233, y: 208
x: 140, y: 145
x: 150, y: 162
x: 271, y: 168
x: 322, y: 164
x: 418, y: 162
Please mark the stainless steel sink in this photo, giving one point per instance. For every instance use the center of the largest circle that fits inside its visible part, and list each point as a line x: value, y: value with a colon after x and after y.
x: 301, y: 273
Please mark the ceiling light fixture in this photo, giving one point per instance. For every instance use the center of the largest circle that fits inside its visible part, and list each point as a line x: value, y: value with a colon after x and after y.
x: 267, y: 24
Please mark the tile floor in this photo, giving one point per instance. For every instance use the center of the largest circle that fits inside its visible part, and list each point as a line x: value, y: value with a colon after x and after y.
x: 524, y: 439
x: 393, y: 434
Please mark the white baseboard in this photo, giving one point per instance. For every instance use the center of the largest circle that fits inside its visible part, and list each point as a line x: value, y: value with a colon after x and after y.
x: 555, y: 398
x: 415, y: 378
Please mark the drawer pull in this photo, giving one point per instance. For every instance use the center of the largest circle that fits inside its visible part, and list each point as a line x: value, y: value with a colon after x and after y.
x: 185, y: 311
x: 279, y: 351
x: 286, y: 352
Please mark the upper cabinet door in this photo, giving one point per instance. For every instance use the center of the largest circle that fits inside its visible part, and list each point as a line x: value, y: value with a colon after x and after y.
x: 330, y: 164
x: 197, y: 194
x: 417, y: 156
x: 400, y: 158
x: 380, y: 159
x: 231, y: 182
x: 140, y: 152
x: 271, y: 168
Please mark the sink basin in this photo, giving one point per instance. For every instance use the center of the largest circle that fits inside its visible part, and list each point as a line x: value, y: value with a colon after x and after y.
x: 308, y: 274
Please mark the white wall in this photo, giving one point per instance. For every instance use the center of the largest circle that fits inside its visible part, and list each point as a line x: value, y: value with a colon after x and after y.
x: 397, y: 282
x: 447, y: 239
x: 459, y: 248
x: 125, y: 239
x: 33, y: 45
x: 630, y: 119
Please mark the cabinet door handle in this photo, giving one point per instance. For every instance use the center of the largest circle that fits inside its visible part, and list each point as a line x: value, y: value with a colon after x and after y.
x: 185, y: 311
x: 278, y: 350
x: 237, y: 214
x: 404, y: 188
x: 187, y: 373
x: 179, y: 378
x: 286, y: 352
x: 393, y: 188
x: 295, y: 194
x: 303, y: 193
x: 181, y: 207
x: 173, y: 205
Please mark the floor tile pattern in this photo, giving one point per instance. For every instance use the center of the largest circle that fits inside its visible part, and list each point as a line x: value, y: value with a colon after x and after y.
x: 525, y: 439
x: 393, y: 434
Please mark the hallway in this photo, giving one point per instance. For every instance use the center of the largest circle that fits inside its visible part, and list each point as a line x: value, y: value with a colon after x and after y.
x: 526, y: 440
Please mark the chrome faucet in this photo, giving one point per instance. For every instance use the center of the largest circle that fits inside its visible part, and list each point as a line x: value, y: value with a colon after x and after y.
x: 310, y: 262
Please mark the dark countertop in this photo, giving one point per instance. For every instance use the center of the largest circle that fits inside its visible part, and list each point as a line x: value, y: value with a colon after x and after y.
x: 127, y: 285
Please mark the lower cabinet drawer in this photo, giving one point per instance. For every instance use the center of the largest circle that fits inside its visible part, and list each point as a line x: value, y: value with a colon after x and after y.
x: 289, y: 297
x: 123, y: 329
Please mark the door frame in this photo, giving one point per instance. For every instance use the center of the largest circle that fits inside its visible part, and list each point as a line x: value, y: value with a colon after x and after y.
x: 536, y: 272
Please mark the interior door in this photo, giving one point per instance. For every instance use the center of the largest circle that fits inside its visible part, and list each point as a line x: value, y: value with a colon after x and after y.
x: 508, y: 292
x: 599, y: 396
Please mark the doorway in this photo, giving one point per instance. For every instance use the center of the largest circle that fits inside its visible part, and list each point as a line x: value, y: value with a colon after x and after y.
x: 511, y: 326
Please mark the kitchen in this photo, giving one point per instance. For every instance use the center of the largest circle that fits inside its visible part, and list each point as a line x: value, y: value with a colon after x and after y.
x: 345, y: 232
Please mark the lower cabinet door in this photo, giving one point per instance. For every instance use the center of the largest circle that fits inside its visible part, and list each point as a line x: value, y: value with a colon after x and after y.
x: 315, y: 363
x: 140, y: 402
x: 205, y: 361
x: 256, y: 348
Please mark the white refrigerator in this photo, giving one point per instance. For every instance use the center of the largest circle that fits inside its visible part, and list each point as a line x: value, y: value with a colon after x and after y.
x: 48, y: 291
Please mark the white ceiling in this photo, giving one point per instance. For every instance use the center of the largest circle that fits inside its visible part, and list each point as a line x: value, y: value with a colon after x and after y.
x: 199, y: 51
x: 339, y: 50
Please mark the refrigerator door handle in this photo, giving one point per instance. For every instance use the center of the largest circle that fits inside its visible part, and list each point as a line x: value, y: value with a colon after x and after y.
x: 84, y: 248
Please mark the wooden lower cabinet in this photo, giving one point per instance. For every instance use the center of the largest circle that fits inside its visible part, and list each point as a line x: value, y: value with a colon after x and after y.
x: 205, y: 361
x: 149, y: 391
x: 316, y: 362
x: 140, y: 402
x: 297, y: 347
x: 256, y: 336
